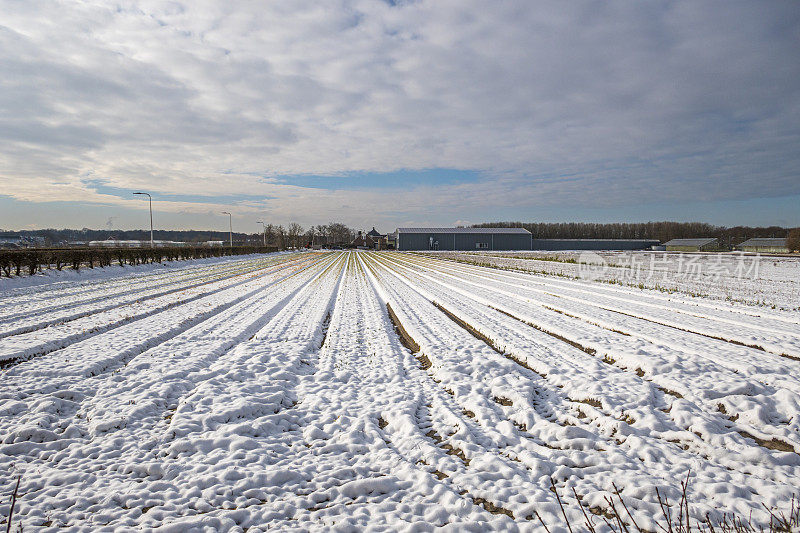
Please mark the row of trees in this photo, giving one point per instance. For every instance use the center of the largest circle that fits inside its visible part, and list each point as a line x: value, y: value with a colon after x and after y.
x: 33, y: 260
x: 295, y: 236
x: 291, y: 236
x: 662, y: 231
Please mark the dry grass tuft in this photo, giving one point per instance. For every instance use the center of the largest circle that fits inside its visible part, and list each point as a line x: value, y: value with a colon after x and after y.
x: 674, y: 518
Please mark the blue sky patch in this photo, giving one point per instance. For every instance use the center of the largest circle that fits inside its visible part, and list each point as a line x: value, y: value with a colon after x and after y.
x: 119, y: 192
x: 383, y: 180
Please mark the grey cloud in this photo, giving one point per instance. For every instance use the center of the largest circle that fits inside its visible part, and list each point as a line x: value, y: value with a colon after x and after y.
x: 578, y: 103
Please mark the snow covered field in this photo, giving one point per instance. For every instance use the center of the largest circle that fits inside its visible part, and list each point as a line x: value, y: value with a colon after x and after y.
x: 386, y: 391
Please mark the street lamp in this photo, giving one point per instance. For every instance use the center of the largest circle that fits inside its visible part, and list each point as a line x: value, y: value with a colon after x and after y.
x: 265, y: 232
x: 230, y: 222
x: 150, y: 199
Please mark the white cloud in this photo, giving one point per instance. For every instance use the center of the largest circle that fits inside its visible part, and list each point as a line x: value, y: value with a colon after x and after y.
x: 558, y: 104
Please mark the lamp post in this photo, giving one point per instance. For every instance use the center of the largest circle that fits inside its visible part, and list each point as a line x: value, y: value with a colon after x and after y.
x: 230, y: 225
x: 150, y: 200
x: 265, y: 232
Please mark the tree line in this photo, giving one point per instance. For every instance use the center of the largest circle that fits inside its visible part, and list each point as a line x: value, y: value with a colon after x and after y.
x: 295, y: 236
x: 33, y: 260
x: 661, y: 231
x: 292, y: 236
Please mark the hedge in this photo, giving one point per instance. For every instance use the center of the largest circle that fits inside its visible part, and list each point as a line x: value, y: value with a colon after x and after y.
x: 31, y: 261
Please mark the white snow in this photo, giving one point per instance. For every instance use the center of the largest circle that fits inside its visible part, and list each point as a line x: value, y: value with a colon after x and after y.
x: 274, y: 392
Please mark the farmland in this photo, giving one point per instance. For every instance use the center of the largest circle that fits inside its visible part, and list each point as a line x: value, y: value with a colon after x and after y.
x: 386, y: 390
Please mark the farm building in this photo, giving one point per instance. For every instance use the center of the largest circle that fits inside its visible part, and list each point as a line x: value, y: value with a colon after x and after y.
x: 381, y: 242
x: 692, y: 245
x: 363, y: 241
x: 12, y: 241
x: 764, y: 246
x: 463, y: 239
x: 116, y: 243
x: 593, y: 244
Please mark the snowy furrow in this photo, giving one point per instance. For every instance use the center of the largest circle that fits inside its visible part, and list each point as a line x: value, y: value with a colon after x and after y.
x: 174, y: 367
x: 708, y: 279
x: 113, y: 281
x: 67, y: 312
x: 659, y: 450
x: 746, y: 330
x: 130, y: 421
x: 42, y: 341
x: 70, y: 367
x: 589, y: 379
x: 728, y: 312
x: 304, y: 485
x: 684, y: 302
x: 476, y: 374
x: 768, y: 368
x: 383, y: 381
x: 764, y: 410
x: 469, y: 425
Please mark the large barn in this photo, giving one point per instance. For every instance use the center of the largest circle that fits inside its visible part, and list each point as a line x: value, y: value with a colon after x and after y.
x: 463, y: 239
x: 706, y: 244
x: 764, y: 245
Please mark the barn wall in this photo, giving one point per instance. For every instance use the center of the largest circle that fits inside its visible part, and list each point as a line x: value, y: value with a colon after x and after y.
x: 683, y: 248
x: 464, y: 241
x: 766, y: 249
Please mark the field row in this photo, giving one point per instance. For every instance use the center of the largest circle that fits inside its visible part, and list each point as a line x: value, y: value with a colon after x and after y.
x: 750, y: 279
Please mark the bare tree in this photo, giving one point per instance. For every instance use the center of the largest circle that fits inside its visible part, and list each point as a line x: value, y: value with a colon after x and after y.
x: 339, y: 233
x: 311, y: 235
x: 269, y: 232
x: 793, y: 240
x: 294, y: 234
x: 280, y: 234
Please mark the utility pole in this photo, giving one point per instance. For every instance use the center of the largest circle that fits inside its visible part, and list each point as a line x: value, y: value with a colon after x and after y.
x: 230, y: 225
x: 150, y: 198
x: 265, y: 232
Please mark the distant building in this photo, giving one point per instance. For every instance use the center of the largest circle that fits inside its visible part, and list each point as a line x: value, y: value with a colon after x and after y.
x: 116, y: 243
x: 692, y: 245
x: 363, y: 241
x: 764, y: 246
x: 593, y: 244
x: 462, y: 239
x: 12, y: 240
x: 500, y: 239
x: 379, y: 240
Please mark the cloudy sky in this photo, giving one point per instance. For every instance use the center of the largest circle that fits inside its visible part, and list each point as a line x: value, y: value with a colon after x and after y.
x: 387, y: 113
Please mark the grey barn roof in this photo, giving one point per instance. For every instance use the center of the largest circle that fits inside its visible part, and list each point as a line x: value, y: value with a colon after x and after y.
x: 758, y: 241
x: 600, y: 240
x: 505, y: 231
x: 690, y: 242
